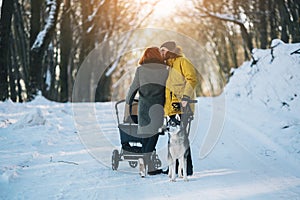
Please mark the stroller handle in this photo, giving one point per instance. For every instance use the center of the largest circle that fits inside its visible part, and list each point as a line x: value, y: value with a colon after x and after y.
x: 118, y: 102
x: 117, y: 110
x: 192, y: 101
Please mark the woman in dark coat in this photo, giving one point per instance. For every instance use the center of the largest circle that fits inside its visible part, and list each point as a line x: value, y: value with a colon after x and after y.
x: 149, y: 81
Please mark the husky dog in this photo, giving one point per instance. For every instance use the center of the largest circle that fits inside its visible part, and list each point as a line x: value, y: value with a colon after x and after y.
x: 178, y: 145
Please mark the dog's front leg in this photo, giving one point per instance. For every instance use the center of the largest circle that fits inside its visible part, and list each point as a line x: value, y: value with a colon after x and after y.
x: 172, y: 169
x: 170, y: 165
x: 184, y: 163
x: 180, y: 167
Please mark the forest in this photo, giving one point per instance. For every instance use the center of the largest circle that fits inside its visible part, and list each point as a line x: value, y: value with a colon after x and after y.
x: 87, y: 50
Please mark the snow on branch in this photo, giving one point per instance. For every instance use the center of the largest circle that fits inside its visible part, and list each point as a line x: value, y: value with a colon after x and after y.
x: 296, y: 52
x: 41, y: 39
x: 230, y: 18
x: 224, y: 17
x: 92, y: 16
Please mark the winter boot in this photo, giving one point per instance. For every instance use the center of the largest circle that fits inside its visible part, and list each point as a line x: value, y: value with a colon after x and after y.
x: 152, y: 170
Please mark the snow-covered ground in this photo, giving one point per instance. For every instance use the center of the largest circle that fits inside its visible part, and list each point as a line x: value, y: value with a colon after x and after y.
x: 54, y: 150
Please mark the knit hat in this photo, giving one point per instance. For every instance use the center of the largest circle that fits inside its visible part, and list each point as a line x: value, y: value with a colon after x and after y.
x: 170, y: 45
x: 178, y: 50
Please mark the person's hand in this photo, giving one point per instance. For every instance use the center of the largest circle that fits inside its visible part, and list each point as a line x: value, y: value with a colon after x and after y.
x: 184, y: 103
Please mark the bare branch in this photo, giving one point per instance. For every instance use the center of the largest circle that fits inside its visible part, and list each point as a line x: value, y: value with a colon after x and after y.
x: 230, y: 18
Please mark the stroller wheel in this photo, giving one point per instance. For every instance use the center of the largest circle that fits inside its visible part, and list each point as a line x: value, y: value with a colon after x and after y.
x: 156, y: 161
x: 133, y: 164
x: 115, y: 159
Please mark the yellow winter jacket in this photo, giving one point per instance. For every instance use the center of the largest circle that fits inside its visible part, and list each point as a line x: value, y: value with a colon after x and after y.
x: 181, y: 82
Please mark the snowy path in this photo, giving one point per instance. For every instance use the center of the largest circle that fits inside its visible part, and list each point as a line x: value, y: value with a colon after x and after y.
x: 59, y: 151
x: 48, y: 161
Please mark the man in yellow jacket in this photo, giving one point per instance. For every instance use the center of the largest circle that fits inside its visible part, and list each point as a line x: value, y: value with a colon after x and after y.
x: 180, y: 85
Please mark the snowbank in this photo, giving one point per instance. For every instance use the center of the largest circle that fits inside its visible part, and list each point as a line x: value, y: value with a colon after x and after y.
x: 269, y: 88
x: 33, y: 118
x: 273, y: 82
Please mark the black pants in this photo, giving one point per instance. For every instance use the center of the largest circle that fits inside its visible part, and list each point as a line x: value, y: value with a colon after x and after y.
x: 148, y: 146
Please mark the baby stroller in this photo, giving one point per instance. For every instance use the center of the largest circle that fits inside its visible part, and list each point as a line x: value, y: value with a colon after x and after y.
x: 130, y: 141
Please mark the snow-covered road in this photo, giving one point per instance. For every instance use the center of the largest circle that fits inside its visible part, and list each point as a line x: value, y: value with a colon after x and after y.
x: 58, y: 151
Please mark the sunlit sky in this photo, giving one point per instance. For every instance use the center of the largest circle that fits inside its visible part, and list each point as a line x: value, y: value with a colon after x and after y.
x: 166, y: 10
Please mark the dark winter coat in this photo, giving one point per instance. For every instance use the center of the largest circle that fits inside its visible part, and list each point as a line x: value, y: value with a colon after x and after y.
x: 149, y: 81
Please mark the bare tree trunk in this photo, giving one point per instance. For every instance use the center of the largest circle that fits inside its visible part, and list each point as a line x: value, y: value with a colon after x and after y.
x: 294, y: 7
x: 5, y: 30
x: 40, y: 45
x: 35, y: 66
x: 273, y: 19
x: 11, y: 73
x: 263, y: 38
x: 66, y: 45
x: 86, y: 44
x: 284, y: 17
x: 20, y: 53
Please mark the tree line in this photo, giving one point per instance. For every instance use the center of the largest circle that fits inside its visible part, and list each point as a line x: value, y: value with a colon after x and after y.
x: 43, y: 43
